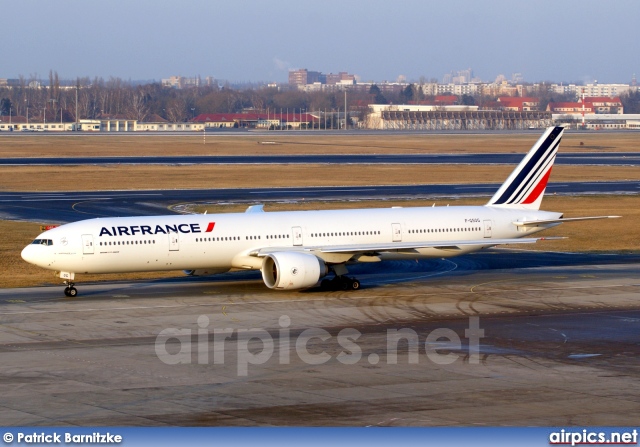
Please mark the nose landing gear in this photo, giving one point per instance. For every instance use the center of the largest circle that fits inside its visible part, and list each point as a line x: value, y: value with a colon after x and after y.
x: 70, y: 290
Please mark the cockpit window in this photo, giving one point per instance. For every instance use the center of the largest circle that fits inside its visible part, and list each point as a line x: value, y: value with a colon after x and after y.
x: 42, y: 242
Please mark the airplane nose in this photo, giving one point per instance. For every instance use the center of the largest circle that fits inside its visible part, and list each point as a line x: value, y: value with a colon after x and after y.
x: 28, y: 254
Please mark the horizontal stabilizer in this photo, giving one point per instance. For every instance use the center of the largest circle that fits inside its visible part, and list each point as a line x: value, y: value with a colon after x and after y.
x: 535, y: 223
x: 255, y: 209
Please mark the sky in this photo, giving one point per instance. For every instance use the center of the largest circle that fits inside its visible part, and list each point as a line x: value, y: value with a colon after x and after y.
x: 261, y: 40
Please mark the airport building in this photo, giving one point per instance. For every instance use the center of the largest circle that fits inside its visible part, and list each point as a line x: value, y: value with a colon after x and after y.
x: 597, y: 105
x: 599, y: 121
x: 289, y: 120
x: 518, y: 103
x: 99, y: 125
x: 512, y: 117
x: 456, y: 117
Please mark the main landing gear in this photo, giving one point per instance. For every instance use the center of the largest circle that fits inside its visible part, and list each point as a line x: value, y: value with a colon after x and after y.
x: 70, y: 290
x: 340, y: 283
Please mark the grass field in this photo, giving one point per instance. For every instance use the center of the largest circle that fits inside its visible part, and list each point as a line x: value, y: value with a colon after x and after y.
x: 303, y: 143
x: 99, y: 178
x: 616, y: 235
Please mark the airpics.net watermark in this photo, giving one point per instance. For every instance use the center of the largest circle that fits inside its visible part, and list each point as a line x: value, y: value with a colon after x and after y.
x: 256, y: 346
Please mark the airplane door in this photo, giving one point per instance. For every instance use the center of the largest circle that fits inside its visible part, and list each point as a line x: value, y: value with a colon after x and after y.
x: 87, y: 244
x: 396, y: 232
x: 487, y: 228
x: 174, y: 241
x: 297, y: 235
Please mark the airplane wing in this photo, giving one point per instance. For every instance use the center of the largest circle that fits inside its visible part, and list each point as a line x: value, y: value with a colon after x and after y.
x: 535, y: 223
x: 400, y: 246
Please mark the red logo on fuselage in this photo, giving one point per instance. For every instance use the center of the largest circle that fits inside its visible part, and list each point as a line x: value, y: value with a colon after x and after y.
x: 210, y: 227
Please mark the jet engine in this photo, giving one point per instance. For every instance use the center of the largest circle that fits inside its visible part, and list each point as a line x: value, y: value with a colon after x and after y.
x: 291, y: 270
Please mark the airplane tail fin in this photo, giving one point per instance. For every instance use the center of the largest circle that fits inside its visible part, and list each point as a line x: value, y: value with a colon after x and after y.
x: 526, y: 185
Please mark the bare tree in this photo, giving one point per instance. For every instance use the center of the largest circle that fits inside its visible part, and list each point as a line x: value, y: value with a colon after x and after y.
x: 138, y: 106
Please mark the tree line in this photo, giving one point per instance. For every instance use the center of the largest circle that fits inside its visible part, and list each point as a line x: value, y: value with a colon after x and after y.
x: 118, y: 98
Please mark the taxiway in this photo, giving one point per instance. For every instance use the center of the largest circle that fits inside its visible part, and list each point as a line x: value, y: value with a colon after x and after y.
x: 569, y: 158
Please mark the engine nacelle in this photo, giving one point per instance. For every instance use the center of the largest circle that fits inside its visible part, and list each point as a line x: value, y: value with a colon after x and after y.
x: 292, y: 270
x: 204, y: 272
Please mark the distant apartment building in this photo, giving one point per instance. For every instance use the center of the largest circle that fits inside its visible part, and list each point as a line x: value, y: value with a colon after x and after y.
x: 18, y: 83
x: 434, y: 89
x: 502, y: 88
x: 460, y: 77
x: 600, y: 90
x: 341, y: 78
x: 517, y: 78
x: 304, y: 77
x: 593, y: 90
x: 181, y: 82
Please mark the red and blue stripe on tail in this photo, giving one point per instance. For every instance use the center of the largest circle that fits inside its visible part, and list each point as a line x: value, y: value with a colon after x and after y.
x: 525, y: 186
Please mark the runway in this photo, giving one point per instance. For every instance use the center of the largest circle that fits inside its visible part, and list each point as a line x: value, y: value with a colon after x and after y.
x: 594, y: 159
x: 556, y: 340
x: 63, y: 207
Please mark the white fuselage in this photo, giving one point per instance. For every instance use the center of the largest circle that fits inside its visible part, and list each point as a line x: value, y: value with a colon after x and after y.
x: 220, y: 242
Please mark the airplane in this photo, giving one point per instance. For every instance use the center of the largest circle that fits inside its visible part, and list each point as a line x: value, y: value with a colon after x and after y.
x: 297, y: 249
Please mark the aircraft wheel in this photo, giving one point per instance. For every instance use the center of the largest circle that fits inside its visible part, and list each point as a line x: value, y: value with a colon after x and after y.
x: 355, y: 284
x: 71, y: 292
